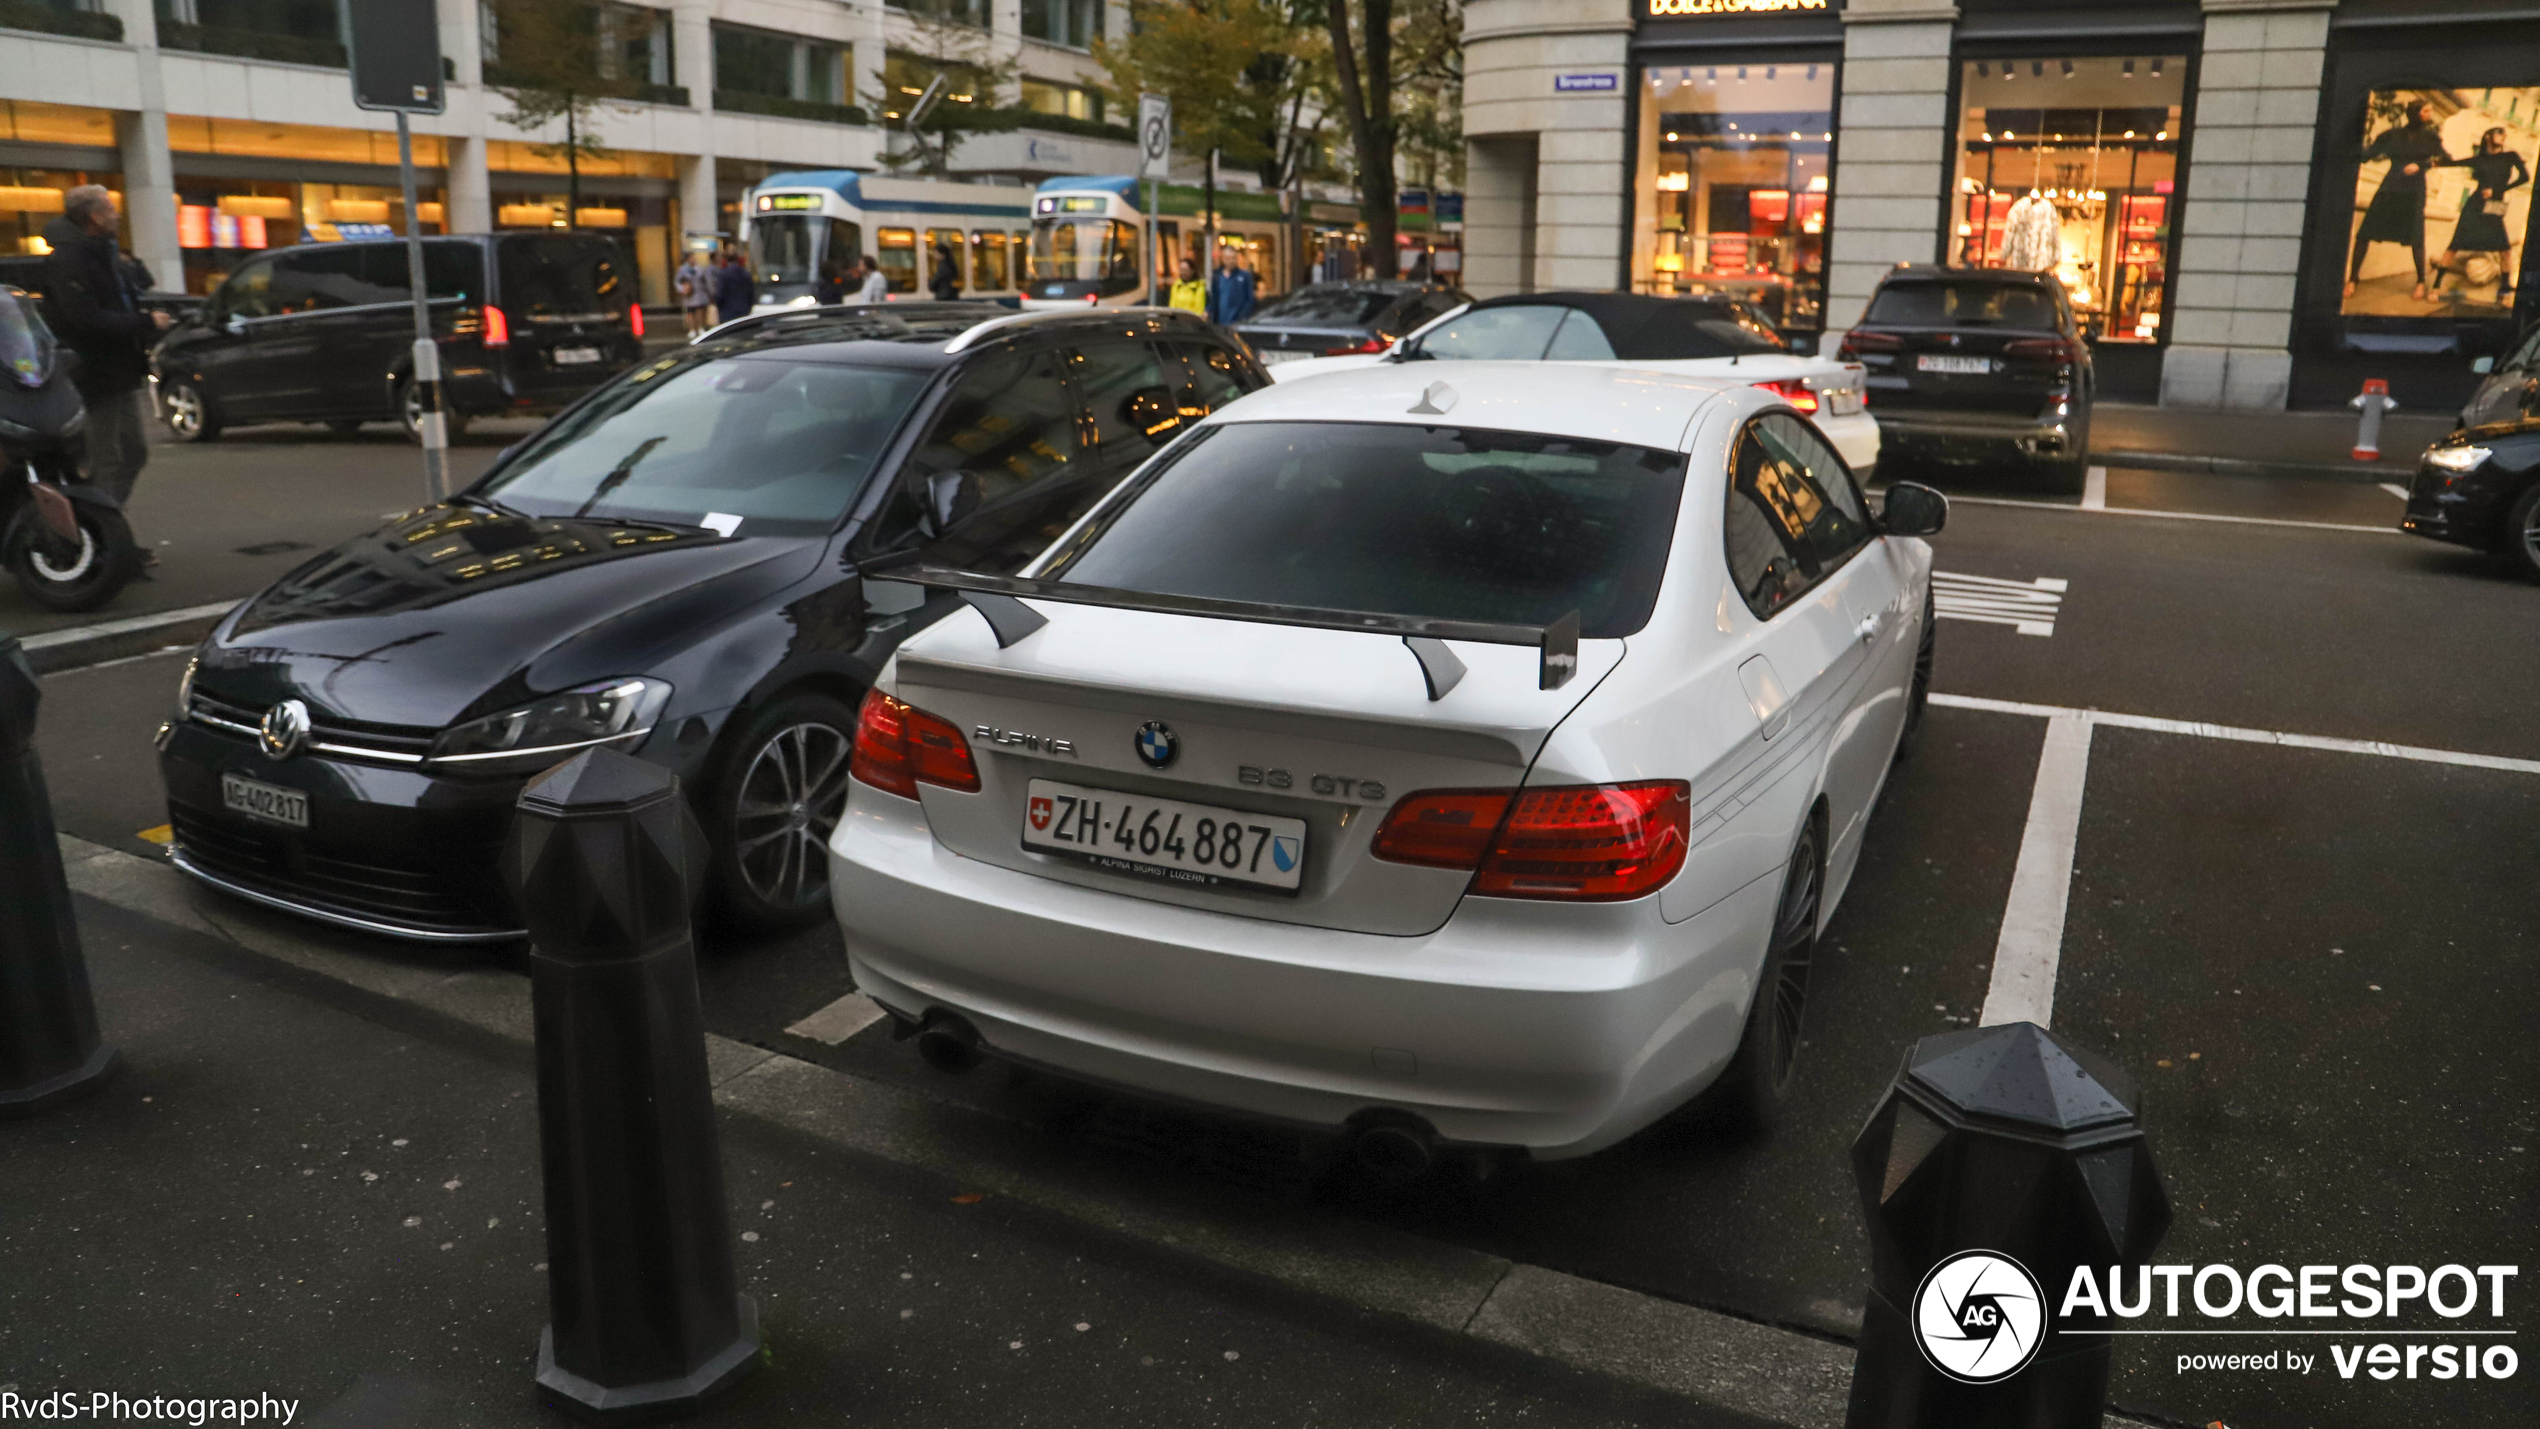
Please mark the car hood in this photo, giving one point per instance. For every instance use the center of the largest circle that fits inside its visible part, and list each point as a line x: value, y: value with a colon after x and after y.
x: 456, y: 611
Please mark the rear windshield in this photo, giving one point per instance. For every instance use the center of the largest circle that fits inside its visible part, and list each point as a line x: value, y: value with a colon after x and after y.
x: 759, y: 445
x: 1964, y: 304
x: 1331, y: 307
x: 558, y: 279
x: 1450, y: 523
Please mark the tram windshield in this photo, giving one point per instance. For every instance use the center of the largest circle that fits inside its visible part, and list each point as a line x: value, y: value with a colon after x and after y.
x: 1102, y: 251
x: 790, y: 247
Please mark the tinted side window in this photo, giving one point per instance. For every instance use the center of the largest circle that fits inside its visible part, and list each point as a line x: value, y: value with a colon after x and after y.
x: 1844, y: 525
x: 1579, y: 340
x: 1008, y: 421
x: 249, y: 293
x: 560, y: 278
x: 1519, y: 332
x: 1782, y: 520
x: 453, y: 270
x: 315, y: 280
x: 2528, y: 354
x: 1131, y: 405
x: 1216, y: 378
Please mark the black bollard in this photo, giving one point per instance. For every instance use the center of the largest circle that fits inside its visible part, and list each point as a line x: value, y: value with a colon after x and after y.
x: 1999, y: 1162
x: 647, y: 1320
x: 49, y: 1048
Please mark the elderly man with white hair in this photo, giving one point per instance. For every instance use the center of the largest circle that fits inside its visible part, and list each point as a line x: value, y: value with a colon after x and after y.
x: 92, y: 301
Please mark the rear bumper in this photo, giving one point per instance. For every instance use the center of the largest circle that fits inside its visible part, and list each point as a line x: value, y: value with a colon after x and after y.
x: 1976, y: 436
x: 1560, y: 1028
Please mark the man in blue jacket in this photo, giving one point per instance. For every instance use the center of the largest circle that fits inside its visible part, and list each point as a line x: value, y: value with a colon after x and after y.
x: 1232, y: 293
x: 735, y: 291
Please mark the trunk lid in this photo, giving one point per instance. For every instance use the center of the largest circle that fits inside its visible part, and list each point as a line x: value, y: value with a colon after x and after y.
x: 1327, y: 727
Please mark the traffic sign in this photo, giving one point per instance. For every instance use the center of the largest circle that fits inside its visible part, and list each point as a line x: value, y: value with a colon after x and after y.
x: 395, y: 47
x: 1155, y: 135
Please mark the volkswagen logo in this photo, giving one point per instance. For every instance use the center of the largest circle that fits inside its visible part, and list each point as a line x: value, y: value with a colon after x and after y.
x: 285, y: 730
x: 1156, y: 744
x: 1979, y: 1317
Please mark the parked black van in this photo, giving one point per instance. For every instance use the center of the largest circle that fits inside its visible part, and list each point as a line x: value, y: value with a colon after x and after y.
x: 325, y: 332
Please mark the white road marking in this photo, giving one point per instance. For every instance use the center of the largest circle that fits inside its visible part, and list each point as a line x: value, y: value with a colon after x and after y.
x: 840, y: 1020
x: 2028, y: 607
x: 2494, y: 762
x: 125, y: 626
x: 2175, y: 515
x: 2032, y: 939
x: 2094, y: 489
x: 2395, y: 489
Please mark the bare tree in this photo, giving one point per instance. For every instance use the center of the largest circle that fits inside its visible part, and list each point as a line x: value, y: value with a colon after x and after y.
x: 1363, y: 72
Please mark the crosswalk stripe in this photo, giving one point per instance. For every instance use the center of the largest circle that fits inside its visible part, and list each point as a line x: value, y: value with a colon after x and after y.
x: 2028, y: 607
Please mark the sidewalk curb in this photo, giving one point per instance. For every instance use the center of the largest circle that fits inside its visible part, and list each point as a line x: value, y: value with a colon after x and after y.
x: 1773, y: 1375
x: 78, y: 645
x: 2359, y: 473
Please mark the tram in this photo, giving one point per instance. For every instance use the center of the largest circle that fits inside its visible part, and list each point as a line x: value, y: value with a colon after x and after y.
x: 1089, y: 240
x: 793, y: 224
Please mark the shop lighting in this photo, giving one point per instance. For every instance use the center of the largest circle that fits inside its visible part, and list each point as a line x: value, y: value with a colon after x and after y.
x: 2009, y: 70
x: 2164, y: 134
x: 1988, y: 138
x: 2129, y: 133
x: 1671, y: 136
x: 1741, y: 73
x: 2068, y: 69
x: 2156, y: 66
x: 2129, y: 69
x: 1711, y: 75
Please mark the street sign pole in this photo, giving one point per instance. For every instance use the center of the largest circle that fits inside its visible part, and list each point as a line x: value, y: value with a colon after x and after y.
x: 395, y: 52
x: 1155, y: 156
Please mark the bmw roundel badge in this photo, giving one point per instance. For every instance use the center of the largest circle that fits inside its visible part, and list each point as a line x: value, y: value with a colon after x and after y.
x: 1156, y: 744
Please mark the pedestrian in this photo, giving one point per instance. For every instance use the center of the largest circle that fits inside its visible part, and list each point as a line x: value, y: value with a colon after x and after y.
x: 735, y: 291
x: 831, y: 288
x: 1190, y: 294
x: 1231, y: 297
x: 2397, y: 211
x: 947, y: 281
x: 876, y: 289
x: 2494, y: 172
x: 93, y: 305
x: 695, y: 282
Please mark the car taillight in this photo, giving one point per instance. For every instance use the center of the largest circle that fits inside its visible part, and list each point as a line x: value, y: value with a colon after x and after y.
x: 899, y: 746
x: 1857, y: 342
x: 1795, y: 391
x: 1373, y: 344
x: 635, y: 319
x: 1442, y: 828
x: 2060, y: 351
x: 1591, y: 842
x: 498, y: 329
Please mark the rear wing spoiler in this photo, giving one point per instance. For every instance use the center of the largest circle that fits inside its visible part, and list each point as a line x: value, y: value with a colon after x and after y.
x: 996, y: 598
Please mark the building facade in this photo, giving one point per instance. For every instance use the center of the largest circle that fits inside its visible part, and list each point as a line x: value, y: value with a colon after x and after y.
x: 224, y: 126
x: 2253, y: 203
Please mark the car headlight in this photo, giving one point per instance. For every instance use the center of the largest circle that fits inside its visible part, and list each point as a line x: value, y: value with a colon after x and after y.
x: 807, y: 300
x: 2458, y: 458
x: 546, y: 730
x: 185, y: 687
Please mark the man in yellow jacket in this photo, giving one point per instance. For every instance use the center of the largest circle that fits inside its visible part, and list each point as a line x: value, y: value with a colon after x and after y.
x: 1190, y: 294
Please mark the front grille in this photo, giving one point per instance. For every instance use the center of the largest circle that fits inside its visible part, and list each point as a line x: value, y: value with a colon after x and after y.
x: 349, y: 739
x: 282, y: 867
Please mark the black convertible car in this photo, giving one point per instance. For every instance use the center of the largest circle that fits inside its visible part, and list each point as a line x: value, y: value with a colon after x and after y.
x: 676, y: 567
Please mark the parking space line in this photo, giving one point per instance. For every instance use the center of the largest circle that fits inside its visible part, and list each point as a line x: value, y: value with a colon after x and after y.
x: 2395, y: 489
x: 2176, y: 515
x: 2032, y: 940
x: 2494, y: 762
x: 840, y: 1020
x: 2094, y: 489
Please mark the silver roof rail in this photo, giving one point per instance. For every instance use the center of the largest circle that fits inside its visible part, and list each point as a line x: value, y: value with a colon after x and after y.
x: 972, y: 336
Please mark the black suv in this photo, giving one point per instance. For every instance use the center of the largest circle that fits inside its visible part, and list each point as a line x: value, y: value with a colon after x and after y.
x: 678, y: 567
x: 325, y: 332
x: 1977, y: 364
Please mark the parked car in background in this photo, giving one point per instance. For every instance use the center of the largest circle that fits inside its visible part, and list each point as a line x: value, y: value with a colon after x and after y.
x: 1390, y: 759
x: 676, y: 568
x: 1331, y: 319
x: 1977, y: 365
x: 2480, y: 487
x: 527, y: 322
x: 1701, y: 336
x: 2508, y: 388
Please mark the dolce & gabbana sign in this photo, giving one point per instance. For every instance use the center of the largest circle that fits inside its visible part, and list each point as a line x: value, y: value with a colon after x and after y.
x: 1676, y: 9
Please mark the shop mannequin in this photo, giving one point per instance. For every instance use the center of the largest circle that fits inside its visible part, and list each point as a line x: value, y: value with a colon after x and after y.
x: 2032, y: 236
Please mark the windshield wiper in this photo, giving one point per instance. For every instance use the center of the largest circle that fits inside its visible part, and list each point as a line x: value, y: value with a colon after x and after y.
x: 619, y: 473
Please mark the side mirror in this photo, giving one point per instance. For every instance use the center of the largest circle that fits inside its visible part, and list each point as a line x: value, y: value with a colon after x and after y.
x: 2483, y: 366
x: 1912, y: 509
x: 952, y: 497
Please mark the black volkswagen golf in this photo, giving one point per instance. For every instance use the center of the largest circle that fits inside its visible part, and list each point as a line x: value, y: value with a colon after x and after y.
x: 672, y: 567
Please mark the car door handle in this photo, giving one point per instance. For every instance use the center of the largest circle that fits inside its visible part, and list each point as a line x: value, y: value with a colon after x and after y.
x: 1868, y: 629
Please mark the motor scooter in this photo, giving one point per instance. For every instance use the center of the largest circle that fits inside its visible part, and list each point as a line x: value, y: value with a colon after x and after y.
x: 64, y: 541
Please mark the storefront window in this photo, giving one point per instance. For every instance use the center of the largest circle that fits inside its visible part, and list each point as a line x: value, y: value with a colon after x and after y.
x: 2442, y: 202
x: 1732, y: 186
x: 2071, y: 166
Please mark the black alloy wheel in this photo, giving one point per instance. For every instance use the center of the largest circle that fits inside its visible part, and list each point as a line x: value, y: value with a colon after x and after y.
x: 1755, y: 1090
x: 783, y: 790
x: 410, y: 413
x: 188, y: 415
x: 2522, y: 532
x: 1918, y: 696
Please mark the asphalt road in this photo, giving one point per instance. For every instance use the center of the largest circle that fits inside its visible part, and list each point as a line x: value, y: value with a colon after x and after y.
x: 2319, y: 963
